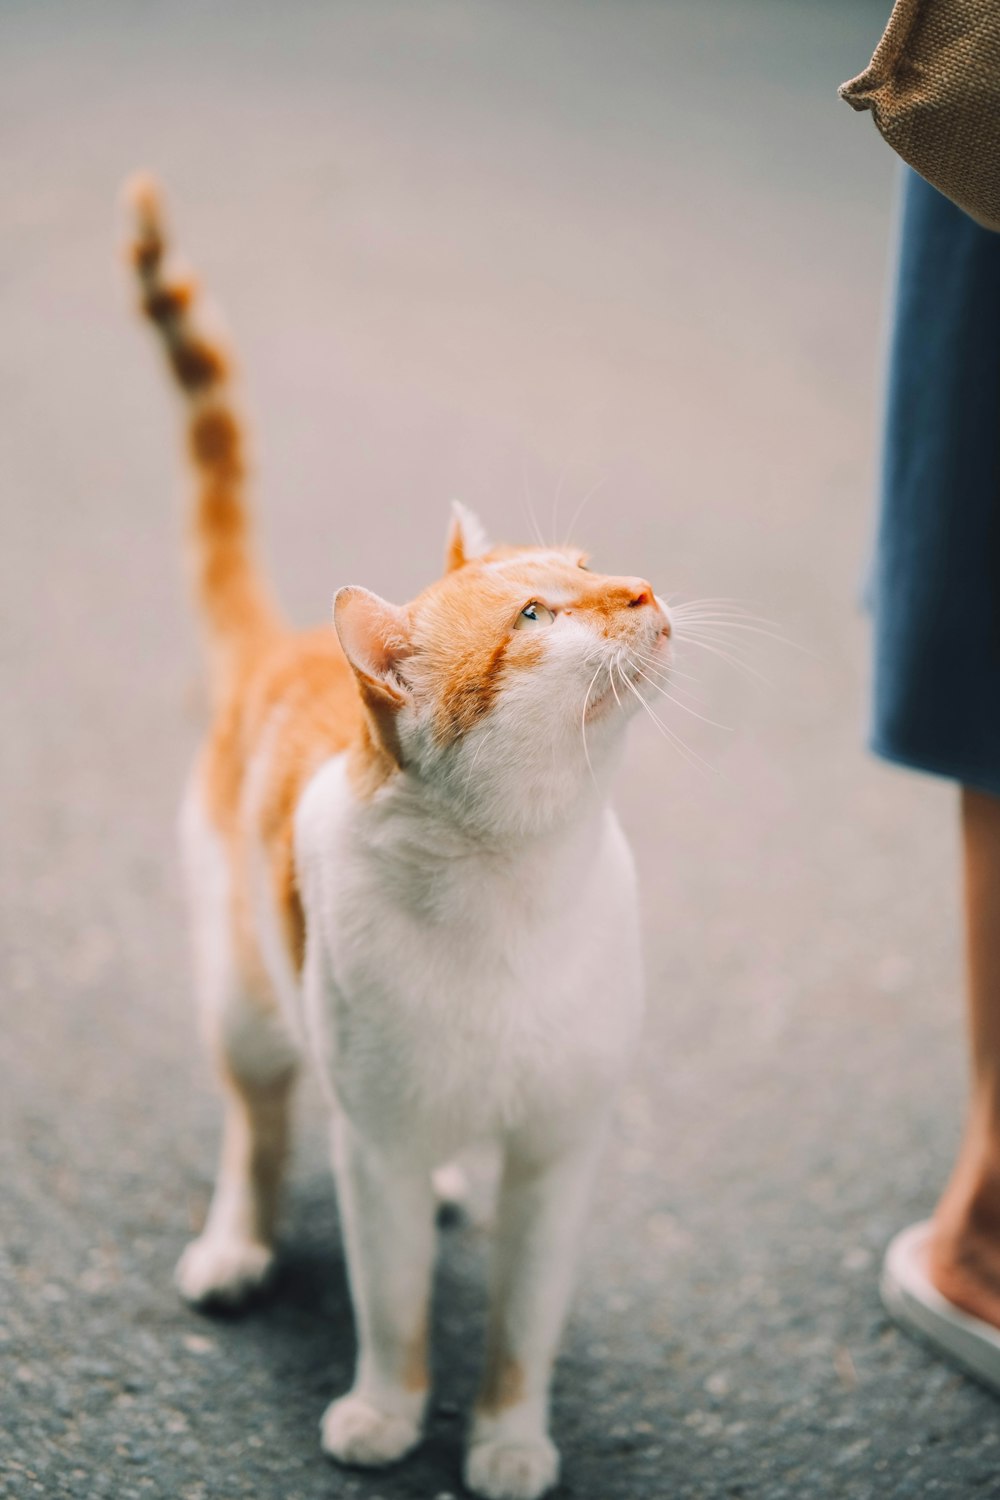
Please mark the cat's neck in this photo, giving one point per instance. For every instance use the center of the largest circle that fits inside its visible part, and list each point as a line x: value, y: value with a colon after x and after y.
x: 438, y: 870
x: 423, y: 826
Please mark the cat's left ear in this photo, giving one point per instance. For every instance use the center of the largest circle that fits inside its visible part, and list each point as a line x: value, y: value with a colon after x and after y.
x: 375, y: 639
x: 466, y: 538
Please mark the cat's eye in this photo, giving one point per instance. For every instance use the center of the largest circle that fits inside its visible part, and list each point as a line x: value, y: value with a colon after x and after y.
x: 533, y: 614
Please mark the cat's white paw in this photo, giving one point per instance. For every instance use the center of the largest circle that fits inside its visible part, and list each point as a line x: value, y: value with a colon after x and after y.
x: 504, y: 1469
x: 222, y: 1271
x: 354, y: 1432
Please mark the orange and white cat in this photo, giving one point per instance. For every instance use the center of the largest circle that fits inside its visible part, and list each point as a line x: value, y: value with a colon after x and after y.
x: 402, y: 862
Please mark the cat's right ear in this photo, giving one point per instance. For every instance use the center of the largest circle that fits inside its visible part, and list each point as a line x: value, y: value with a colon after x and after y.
x: 375, y: 639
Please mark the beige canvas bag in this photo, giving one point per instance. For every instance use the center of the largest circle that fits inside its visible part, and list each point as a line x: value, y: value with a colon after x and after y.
x: 933, y: 88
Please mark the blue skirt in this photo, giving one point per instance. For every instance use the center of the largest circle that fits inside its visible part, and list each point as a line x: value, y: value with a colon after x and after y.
x: 935, y: 582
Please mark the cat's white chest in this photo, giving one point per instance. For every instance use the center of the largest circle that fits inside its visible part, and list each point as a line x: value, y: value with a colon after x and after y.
x: 455, y: 999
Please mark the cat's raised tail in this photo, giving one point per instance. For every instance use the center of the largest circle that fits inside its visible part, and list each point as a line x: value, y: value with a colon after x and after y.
x: 232, y: 595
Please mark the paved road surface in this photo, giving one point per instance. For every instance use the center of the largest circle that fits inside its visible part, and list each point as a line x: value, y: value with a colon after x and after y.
x: 482, y: 250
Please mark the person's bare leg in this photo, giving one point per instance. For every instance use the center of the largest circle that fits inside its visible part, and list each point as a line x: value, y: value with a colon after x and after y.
x: 964, y: 1256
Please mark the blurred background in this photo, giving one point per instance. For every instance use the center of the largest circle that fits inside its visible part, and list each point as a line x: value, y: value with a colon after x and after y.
x: 520, y: 254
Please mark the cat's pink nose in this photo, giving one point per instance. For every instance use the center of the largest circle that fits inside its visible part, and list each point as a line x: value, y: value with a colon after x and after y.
x: 641, y: 591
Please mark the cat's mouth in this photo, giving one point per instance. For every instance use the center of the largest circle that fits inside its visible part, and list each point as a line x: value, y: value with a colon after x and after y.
x: 642, y: 661
x: 623, y: 682
x: 599, y: 705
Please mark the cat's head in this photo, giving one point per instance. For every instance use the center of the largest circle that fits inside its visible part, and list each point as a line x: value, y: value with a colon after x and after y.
x: 505, y: 687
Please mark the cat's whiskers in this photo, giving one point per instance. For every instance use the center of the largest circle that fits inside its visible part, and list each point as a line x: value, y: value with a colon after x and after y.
x: 616, y: 665
x: 691, y: 756
x: 656, y: 665
x: 726, y: 655
x: 651, y: 663
x: 706, y: 625
x: 661, y: 689
x: 721, y: 625
x: 583, y: 722
x: 732, y: 606
x: 668, y: 671
x: 716, y: 617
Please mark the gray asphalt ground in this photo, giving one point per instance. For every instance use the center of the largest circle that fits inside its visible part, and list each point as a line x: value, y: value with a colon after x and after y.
x: 486, y: 251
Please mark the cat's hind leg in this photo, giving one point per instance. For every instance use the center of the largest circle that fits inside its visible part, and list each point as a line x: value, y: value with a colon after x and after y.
x: 256, y: 1059
x: 234, y: 1255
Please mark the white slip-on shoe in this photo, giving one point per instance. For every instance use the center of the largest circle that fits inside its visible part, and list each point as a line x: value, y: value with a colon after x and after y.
x: 917, y: 1306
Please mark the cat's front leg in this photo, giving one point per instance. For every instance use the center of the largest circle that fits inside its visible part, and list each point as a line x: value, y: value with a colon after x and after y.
x: 387, y: 1218
x: 543, y: 1200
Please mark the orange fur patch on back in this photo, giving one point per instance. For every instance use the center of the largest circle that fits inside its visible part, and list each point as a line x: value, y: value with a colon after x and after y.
x: 296, y: 707
x: 370, y: 765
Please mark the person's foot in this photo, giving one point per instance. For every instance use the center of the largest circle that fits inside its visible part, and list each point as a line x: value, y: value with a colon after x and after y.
x: 963, y: 1257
